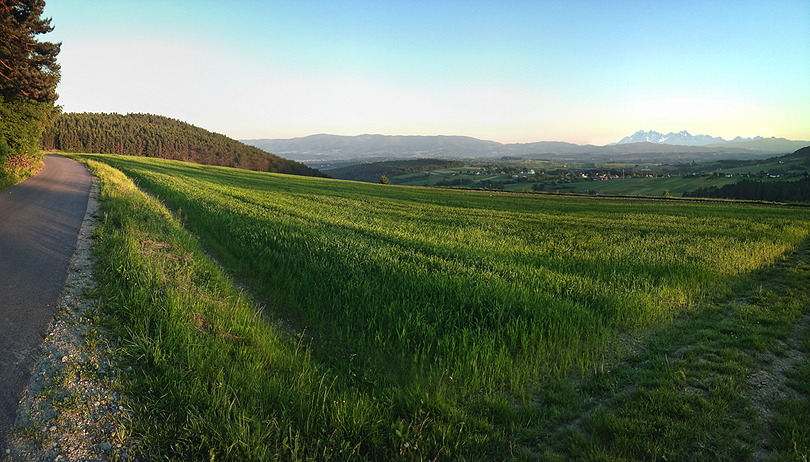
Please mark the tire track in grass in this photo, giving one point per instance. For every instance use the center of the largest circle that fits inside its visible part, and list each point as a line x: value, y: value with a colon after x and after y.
x: 720, y: 383
x: 771, y: 386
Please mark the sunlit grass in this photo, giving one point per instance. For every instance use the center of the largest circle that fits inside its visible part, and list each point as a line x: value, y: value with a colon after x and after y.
x: 413, y: 305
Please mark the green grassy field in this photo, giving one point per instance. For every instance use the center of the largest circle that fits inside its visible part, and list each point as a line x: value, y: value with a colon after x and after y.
x: 411, y: 323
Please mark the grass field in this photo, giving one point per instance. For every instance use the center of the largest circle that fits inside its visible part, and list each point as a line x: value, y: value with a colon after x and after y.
x: 411, y: 323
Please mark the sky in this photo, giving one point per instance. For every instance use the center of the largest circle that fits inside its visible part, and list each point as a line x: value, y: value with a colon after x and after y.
x: 585, y: 72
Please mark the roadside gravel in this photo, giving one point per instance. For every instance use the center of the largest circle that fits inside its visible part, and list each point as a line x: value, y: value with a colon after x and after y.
x: 72, y: 409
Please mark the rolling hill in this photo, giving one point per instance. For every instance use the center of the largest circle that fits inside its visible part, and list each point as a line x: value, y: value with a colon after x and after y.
x: 158, y: 136
x: 371, y: 172
x: 335, y: 147
x: 776, y: 145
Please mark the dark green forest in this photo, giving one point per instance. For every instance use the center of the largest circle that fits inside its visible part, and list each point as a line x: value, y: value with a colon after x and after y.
x: 371, y: 172
x: 29, y: 74
x: 776, y: 191
x: 158, y: 136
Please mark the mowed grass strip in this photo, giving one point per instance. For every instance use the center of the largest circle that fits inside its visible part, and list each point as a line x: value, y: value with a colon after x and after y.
x: 417, y: 305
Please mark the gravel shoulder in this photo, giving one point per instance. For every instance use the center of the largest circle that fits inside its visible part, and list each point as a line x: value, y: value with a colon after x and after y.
x: 72, y: 409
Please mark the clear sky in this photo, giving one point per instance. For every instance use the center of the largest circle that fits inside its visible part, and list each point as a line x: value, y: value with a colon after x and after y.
x: 510, y: 71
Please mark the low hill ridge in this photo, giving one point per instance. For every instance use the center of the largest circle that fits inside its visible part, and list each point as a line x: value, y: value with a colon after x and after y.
x: 326, y: 148
x: 151, y: 135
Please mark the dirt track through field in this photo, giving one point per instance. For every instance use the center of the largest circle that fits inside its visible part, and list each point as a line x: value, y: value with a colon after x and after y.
x: 39, y: 224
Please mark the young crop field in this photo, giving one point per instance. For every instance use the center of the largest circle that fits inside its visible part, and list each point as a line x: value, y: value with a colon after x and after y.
x: 416, y: 324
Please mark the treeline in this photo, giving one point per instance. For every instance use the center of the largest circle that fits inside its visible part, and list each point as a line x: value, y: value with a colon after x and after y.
x: 371, y: 172
x: 158, y: 136
x: 776, y: 191
x: 29, y: 74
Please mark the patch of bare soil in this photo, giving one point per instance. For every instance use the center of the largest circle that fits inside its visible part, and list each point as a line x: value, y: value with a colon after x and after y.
x: 72, y: 410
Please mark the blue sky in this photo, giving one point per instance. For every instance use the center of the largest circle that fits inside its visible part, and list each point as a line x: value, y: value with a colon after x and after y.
x: 509, y: 71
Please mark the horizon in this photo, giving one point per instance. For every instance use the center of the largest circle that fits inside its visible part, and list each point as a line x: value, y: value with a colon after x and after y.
x: 524, y: 142
x: 514, y: 72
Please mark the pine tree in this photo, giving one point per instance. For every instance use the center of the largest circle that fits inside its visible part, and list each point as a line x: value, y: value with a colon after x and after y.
x: 29, y: 74
x: 28, y: 68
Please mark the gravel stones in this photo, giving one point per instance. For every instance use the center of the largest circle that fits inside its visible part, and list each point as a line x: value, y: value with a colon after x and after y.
x: 71, y: 410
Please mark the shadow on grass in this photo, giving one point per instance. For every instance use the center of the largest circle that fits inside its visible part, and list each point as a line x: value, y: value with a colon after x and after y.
x: 685, y: 391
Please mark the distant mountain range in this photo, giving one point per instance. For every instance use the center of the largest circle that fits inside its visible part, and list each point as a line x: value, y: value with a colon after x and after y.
x: 681, y: 138
x: 321, y: 149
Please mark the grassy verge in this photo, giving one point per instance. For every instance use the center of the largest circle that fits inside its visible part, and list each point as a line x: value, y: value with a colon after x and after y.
x: 213, y: 378
x: 17, y: 168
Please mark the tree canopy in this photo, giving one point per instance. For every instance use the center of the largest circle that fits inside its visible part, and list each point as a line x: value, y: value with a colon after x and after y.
x: 29, y: 74
x: 28, y: 67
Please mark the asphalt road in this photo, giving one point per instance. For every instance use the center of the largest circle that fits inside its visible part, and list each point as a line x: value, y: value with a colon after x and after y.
x: 39, y: 224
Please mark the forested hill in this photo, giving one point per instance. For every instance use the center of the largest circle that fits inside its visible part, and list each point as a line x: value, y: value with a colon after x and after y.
x: 779, y: 191
x: 158, y: 136
x: 371, y: 172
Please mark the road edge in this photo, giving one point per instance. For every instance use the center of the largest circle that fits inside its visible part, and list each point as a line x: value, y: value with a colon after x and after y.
x: 72, y: 409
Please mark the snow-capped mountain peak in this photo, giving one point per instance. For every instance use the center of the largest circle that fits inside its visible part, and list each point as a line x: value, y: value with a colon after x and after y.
x: 682, y: 138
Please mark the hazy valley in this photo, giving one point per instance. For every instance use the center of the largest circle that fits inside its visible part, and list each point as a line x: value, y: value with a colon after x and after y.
x: 323, y: 148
